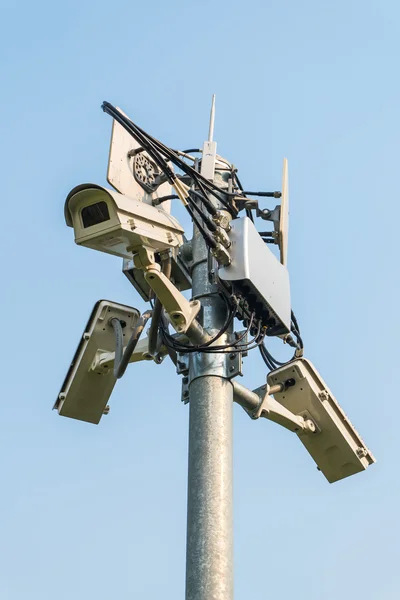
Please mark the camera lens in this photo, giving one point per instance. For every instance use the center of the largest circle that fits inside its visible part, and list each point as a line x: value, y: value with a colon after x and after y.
x: 95, y: 214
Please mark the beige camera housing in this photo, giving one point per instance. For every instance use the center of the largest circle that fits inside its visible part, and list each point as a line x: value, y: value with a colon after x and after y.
x: 116, y: 224
x: 335, y: 446
x: 88, y: 385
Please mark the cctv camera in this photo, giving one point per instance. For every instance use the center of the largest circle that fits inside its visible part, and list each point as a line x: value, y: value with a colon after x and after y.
x: 89, y: 383
x: 335, y: 445
x: 113, y: 223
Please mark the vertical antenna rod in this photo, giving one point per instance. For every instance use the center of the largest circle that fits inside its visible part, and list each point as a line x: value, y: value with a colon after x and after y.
x: 212, y: 120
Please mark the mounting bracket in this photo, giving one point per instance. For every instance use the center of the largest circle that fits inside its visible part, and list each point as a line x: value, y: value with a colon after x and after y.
x: 180, y: 312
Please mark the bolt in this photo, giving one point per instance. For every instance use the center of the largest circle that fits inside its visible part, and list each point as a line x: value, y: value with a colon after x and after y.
x: 310, y: 425
x: 232, y: 356
x: 86, y: 336
x: 185, y: 380
x: 106, y: 410
x: 361, y: 452
x: 62, y: 396
x: 185, y: 394
x: 231, y: 368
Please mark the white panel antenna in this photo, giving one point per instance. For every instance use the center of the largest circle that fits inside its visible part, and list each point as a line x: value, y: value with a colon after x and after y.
x: 284, y: 214
x: 122, y: 167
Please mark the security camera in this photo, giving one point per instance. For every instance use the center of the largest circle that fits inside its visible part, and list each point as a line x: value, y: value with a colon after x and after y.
x: 116, y: 224
x: 333, y: 443
x: 90, y: 381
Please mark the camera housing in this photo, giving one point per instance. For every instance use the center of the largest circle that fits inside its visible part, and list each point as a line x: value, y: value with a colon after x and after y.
x: 87, y: 388
x: 116, y: 224
x: 335, y: 446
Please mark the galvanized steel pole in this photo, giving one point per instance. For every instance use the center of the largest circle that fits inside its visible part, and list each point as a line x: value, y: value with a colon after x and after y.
x: 209, y: 566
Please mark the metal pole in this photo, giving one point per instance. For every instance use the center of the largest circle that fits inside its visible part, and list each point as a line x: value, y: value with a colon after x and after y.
x: 209, y: 559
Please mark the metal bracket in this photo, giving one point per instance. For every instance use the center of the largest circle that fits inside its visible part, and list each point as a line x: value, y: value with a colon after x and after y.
x: 182, y: 366
x: 185, y: 390
x: 103, y: 361
x: 227, y: 366
x: 180, y: 311
x: 271, y: 409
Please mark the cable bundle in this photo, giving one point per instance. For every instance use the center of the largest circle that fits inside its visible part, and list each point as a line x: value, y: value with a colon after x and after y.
x: 190, y: 197
x: 161, y: 155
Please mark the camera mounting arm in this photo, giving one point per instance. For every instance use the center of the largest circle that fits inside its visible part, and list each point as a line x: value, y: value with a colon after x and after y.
x: 180, y: 312
x: 259, y: 403
x: 104, y: 361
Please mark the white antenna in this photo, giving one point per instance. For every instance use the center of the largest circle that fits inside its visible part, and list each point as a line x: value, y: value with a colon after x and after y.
x: 212, y: 120
x: 284, y: 213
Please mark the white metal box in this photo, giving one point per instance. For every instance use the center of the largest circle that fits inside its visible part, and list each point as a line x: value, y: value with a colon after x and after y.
x: 259, y: 276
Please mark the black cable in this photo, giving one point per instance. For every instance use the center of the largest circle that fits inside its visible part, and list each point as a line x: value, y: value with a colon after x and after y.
x: 224, y: 328
x: 299, y: 338
x: 211, y: 243
x: 210, y: 224
x: 169, y: 197
x: 152, y: 144
x: 122, y: 359
x: 249, y: 214
x: 186, y: 348
x: 203, y: 184
x: 295, y: 322
x: 265, y: 358
x: 204, y: 199
x: 146, y: 141
x: 272, y: 359
x: 142, y: 138
x: 233, y: 347
x: 263, y: 194
x: 248, y: 211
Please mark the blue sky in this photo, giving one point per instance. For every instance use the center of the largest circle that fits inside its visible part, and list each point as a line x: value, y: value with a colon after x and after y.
x: 100, y: 512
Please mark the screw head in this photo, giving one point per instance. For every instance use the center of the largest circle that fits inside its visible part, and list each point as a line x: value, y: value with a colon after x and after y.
x: 310, y: 425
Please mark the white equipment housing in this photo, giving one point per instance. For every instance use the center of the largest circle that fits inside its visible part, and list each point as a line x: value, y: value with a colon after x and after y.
x: 336, y: 446
x: 259, y: 276
x: 88, y: 386
x: 110, y: 222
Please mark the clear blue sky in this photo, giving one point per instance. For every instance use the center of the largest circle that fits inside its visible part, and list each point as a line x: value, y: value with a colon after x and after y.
x: 100, y: 512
